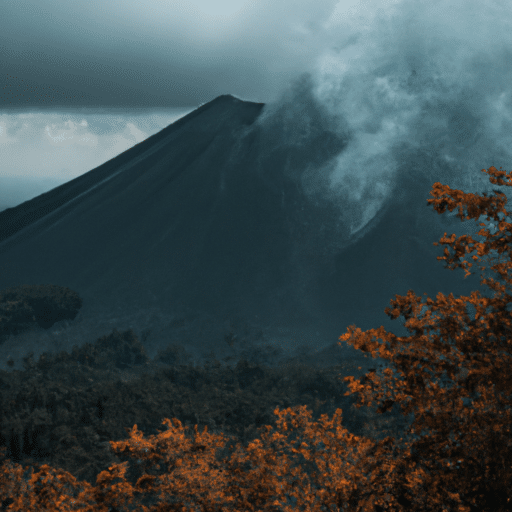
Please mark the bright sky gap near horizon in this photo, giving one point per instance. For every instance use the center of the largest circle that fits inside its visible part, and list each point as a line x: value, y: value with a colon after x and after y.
x: 83, y: 82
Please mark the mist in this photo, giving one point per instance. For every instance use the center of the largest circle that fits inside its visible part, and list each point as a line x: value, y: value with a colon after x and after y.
x: 423, y: 91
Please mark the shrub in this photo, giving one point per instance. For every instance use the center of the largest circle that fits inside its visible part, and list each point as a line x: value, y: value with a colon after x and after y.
x: 25, y: 306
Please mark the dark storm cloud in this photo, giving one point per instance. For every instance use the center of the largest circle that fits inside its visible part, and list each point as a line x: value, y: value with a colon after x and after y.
x: 58, y: 54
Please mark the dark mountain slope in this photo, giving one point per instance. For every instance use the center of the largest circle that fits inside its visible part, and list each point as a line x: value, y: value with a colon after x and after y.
x: 14, y: 219
x: 204, y: 217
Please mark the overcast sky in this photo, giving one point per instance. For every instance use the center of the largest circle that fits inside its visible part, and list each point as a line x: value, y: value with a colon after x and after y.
x: 82, y: 82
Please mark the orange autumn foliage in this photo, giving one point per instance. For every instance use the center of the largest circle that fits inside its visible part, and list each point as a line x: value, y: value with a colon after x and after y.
x: 457, y: 456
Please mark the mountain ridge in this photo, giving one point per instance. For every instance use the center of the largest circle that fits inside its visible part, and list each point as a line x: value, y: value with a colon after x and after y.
x: 212, y: 215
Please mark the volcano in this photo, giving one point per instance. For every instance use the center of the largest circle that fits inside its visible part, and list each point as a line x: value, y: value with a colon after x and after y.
x: 203, y: 220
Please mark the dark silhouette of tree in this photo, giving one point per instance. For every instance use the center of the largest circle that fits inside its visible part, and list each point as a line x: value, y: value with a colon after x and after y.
x: 456, y: 455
